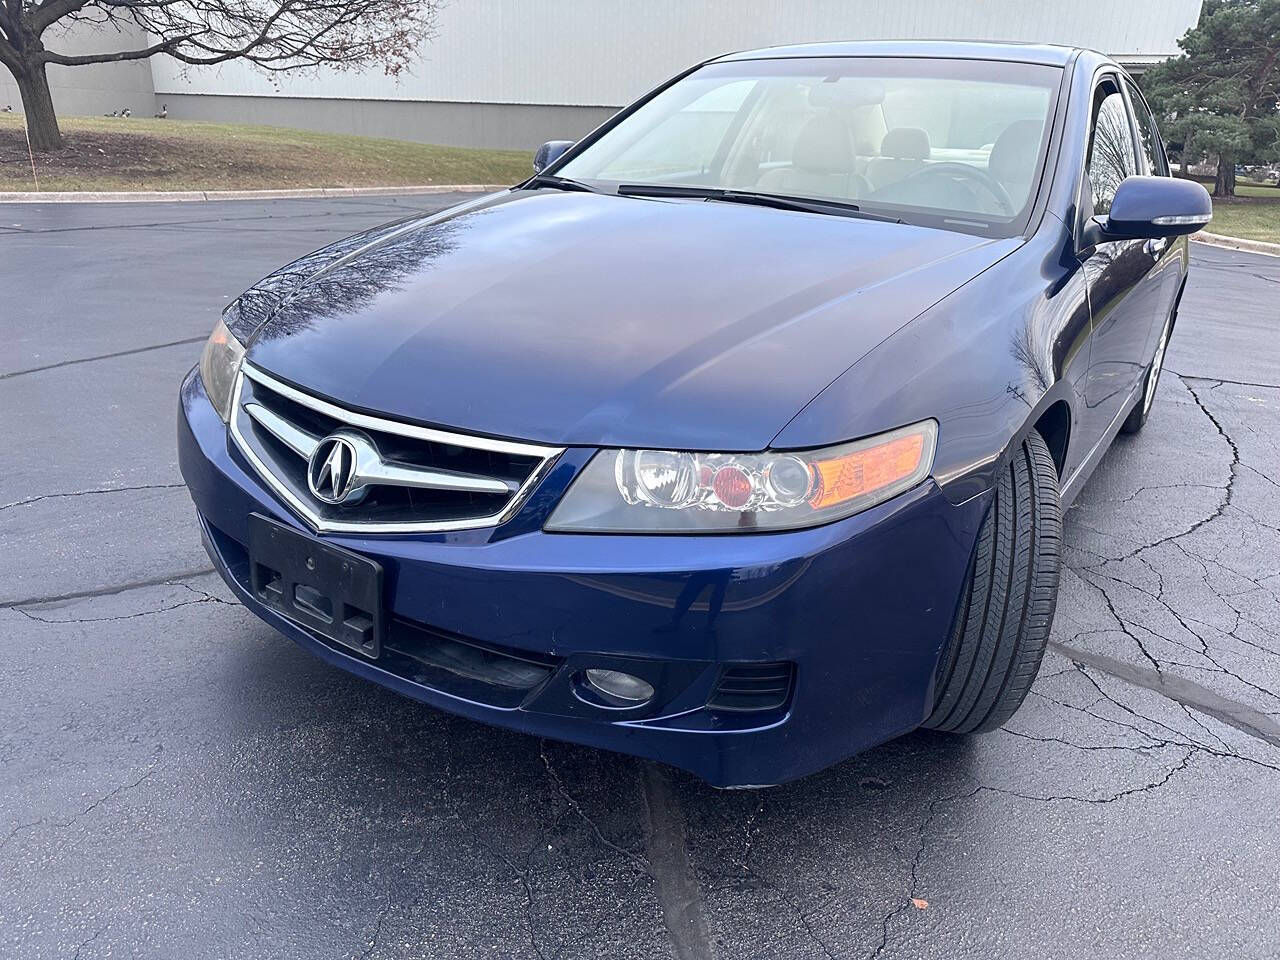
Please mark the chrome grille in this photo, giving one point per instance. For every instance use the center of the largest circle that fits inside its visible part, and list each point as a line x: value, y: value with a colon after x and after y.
x: 398, y: 477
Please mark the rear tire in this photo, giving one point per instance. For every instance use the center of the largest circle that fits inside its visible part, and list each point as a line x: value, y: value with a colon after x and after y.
x: 1011, y: 591
x: 1151, y: 379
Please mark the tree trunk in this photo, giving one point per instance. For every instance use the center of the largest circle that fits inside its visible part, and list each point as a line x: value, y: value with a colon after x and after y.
x: 1224, y: 184
x: 1186, y: 156
x: 37, y: 103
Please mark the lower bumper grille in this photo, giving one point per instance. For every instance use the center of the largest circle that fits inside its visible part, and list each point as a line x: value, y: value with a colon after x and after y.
x: 465, y: 668
x: 753, y: 687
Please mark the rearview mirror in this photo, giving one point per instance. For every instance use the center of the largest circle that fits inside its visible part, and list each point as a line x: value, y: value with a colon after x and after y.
x: 1152, y: 207
x: 549, y: 153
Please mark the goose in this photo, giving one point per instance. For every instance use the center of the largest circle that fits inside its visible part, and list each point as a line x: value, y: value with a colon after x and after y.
x: 164, y: 111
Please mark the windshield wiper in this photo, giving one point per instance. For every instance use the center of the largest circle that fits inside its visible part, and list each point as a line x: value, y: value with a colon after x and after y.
x: 829, y: 207
x: 556, y: 183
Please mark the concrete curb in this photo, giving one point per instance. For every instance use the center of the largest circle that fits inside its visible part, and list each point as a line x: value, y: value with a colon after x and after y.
x: 1235, y: 243
x: 175, y: 196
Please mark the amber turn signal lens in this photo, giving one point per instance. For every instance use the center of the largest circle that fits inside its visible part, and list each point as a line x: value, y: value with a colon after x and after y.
x: 865, y: 471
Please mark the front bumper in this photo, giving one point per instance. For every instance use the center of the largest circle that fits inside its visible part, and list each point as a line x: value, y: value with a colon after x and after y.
x: 860, y: 609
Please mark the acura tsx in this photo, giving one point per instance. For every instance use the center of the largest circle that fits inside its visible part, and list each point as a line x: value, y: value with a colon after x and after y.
x: 736, y: 437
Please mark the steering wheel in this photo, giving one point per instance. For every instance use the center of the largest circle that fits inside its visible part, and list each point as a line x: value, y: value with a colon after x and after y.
x: 963, y: 171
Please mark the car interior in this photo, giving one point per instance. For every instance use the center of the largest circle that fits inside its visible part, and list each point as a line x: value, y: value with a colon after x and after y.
x: 850, y: 149
x: 965, y: 146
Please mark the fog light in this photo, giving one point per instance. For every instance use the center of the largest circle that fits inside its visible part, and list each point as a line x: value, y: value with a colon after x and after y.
x: 616, y: 685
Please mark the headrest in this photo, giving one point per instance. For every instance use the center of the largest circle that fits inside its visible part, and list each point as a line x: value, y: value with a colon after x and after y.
x: 824, y: 145
x: 1013, y: 156
x: 905, y: 143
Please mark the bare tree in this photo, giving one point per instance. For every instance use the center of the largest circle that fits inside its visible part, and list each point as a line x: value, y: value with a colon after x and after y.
x: 275, y: 35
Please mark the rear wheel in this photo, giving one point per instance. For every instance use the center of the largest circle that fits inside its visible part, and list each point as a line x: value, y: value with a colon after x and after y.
x: 1012, y: 589
x: 1138, y: 416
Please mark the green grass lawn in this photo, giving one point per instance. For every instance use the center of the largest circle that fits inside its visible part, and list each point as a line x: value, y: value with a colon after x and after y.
x: 1246, y: 218
x: 1246, y: 189
x: 107, y: 153
x: 1254, y: 214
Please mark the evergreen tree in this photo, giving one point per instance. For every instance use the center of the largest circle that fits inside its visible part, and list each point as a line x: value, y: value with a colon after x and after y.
x: 1221, y: 97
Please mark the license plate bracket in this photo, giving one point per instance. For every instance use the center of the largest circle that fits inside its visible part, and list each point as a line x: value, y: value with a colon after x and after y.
x: 327, y: 589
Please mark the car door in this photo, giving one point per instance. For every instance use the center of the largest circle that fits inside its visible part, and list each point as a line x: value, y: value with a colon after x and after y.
x: 1117, y: 272
x: 1168, y: 256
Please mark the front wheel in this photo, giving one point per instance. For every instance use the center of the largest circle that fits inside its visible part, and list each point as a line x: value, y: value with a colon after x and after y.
x: 998, y: 642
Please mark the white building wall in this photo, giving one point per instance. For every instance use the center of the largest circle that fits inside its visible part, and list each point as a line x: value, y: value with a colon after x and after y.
x: 608, y: 52
x: 96, y: 89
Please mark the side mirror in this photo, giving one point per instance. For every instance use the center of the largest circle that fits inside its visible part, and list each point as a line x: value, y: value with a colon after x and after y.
x: 549, y: 153
x: 1147, y: 208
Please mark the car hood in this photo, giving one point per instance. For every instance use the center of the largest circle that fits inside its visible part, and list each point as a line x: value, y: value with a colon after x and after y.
x: 587, y: 319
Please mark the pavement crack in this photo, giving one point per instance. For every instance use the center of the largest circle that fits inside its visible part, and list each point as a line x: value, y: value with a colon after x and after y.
x: 125, y: 616
x: 377, y: 929
x: 89, y: 493
x: 84, y: 943
x: 109, y: 591
x: 1228, y: 490
x: 923, y: 842
x: 1157, y: 486
x: 921, y: 846
x: 63, y: 824
x: 1243, y: 717
x: 522, y: 875
x: 1128, y: 748
x: 1104, y: 800
x: 638, y: 861
x: 1219, y: 381
x: 1221, y: 751
x: 744, y: 861
x: 102, y: 356
x: 1125, y: 626
x: 1185, y: 623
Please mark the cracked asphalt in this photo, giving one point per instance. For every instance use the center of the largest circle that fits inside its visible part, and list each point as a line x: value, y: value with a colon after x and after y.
x: 180, y: 781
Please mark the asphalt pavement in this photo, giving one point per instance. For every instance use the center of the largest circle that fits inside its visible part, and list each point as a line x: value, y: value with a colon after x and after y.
x: 179, y: 781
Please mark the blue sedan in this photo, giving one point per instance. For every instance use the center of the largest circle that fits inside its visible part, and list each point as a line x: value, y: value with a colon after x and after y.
x: 738, y: 437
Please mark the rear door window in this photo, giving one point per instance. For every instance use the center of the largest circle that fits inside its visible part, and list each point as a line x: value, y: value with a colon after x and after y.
x: 1152, y: 148
x: 1111, y: 154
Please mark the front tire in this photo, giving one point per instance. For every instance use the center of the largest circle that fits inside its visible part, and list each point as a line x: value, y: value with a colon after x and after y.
x: 1011, y: 591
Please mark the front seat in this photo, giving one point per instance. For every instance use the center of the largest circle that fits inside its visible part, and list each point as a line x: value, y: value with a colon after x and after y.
x: 903, y: 151
x: 823, y: 163
x: 1013, y: 158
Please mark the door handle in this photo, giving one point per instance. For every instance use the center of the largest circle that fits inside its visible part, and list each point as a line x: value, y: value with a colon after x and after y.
x: 1156, y: 246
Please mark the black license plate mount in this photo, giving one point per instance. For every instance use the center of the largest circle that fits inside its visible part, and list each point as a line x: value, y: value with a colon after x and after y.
x: 327, y: 589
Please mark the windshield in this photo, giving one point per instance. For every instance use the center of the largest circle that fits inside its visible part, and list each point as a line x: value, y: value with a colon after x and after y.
x: 944, y: 142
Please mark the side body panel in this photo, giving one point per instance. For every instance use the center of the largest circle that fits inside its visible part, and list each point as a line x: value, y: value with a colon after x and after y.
x: 1123, y: 295
x: 986, y: 362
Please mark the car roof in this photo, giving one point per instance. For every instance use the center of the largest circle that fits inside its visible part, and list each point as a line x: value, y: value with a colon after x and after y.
x: 1043, y: 53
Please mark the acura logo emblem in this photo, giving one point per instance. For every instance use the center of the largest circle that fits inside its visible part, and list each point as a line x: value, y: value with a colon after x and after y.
x: 332, y: 469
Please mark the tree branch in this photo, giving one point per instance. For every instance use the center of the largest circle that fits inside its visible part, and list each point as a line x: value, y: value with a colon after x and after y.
x: 50, y: 12
x: 164, y: 46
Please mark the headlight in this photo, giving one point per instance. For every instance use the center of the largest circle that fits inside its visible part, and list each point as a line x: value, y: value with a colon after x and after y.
x: 665, y: 491
x: 219, y: 365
